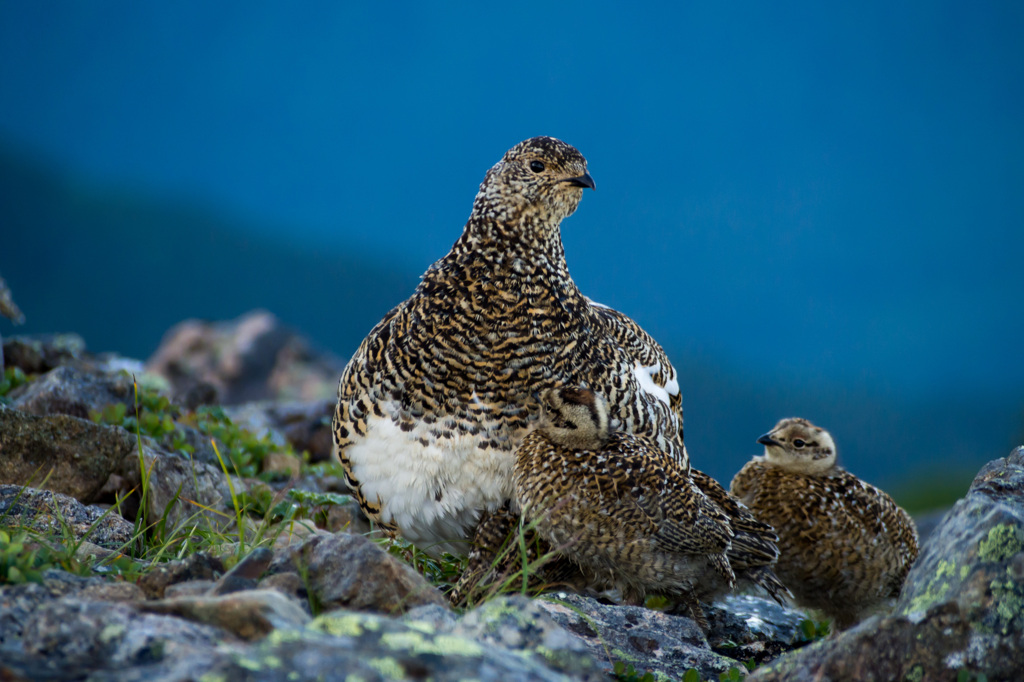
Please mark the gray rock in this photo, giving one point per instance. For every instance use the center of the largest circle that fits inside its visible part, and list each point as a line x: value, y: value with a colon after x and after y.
x: 198, y: 566
x: 962, y: 606
x: 73, y: 391
x: 348, y: 518
x: 61, y: 516
x: 74, y: 456
x: 245, y: 574
x: 19, y: 602
x: 646, y: 639
x: 180, y: 490
x: 288, y: 584
x: 350, y: 571
x: 758, y: 618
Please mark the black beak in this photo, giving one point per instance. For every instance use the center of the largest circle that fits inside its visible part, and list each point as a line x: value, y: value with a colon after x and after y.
x: 767, y: 439
x: 583, y: 181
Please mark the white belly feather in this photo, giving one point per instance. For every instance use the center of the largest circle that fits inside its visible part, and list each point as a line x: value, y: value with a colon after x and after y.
x: 434, y: 492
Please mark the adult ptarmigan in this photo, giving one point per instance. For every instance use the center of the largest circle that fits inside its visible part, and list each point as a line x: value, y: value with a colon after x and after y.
x: 845, y: 546
x: 437, y: 398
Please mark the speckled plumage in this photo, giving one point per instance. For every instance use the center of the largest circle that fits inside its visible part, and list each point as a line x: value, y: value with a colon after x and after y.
x: 437, y: 398
x: 631, y: 516
x: 845, y: 546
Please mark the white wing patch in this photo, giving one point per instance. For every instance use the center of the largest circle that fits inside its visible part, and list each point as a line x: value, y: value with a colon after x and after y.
x: 645, y: 377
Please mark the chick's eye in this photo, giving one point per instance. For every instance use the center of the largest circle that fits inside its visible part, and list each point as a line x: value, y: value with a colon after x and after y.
x: 799, y: 443
x: 537, y: 166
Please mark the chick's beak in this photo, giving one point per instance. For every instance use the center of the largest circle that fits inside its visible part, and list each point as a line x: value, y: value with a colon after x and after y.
x: 767, y: 439
x: 582, y: 181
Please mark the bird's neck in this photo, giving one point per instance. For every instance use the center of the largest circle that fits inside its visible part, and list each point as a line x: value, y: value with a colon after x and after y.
x: 523, y: 247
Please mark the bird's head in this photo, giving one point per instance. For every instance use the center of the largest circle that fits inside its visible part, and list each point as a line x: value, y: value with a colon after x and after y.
x: 541, y: 179
x: 574, y: 417
x: 798, y: 445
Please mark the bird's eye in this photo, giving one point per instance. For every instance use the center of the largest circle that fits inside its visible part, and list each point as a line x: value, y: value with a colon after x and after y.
x: 537, y: 166
x: 798, y: 443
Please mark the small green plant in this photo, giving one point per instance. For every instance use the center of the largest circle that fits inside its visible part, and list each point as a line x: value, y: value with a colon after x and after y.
x: 21, y: 559
x: 245, y: 451
x: 625, y: 672
x: 442, y: 572
x: 11, y: 379
x: 692, y: 675
x: 154, y: 414
x: 812, y: 630
x: 733, y: 674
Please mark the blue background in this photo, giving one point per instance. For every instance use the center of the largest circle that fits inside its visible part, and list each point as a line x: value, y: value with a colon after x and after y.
x: 817, y: 210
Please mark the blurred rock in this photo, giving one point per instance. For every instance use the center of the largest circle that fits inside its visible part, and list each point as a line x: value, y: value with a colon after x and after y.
x: 115, y: 591
x: 251, y: 358
x: 927, y: 523
x: 38, y: 353
x: 306, y: 426
x: 350, y: 571
x: 59, y: 516
x: 74, y: 456
x: 249, y: 614
x: 9, y: 309
x: 961, y: 611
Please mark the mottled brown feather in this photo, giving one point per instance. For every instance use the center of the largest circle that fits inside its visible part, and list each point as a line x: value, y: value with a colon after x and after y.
x: 845, y: 546
x: 635, y: 520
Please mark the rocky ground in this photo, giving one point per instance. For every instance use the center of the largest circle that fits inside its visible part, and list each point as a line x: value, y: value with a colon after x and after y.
x: 182, y: 520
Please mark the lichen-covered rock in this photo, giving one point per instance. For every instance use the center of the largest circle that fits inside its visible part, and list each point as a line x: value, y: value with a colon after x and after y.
x: 90, y: 635
x: 73, y: 391
x: 371, y: 647
x: 962, y: 606
x: 59, y: 515
x: 350, y: 571
x: 74, y: 456
x: 649, y: 640
x: 523, y: 625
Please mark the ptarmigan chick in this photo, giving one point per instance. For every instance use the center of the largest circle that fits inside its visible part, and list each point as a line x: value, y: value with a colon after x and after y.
x: 434, y: 403
x: 845, y: 546
x: 631, y: 516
